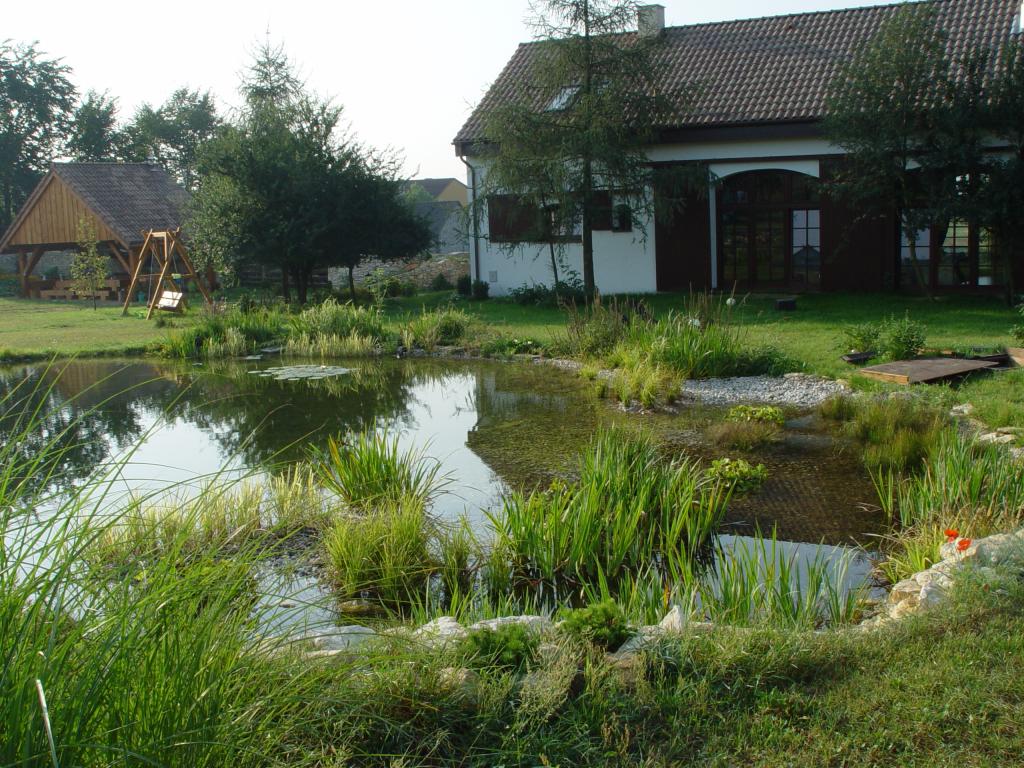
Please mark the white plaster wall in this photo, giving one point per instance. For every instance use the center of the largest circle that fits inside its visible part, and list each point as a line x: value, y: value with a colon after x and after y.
x: 624, y: 262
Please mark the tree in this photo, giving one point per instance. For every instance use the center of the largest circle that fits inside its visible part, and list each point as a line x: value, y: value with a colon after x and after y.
x: 36, y: 105
x: 888, y: 112
x: 94, y: 133
x: 174, y: 133
x: 580, y: 132
x: 286, y: 187
x: 89, y: 266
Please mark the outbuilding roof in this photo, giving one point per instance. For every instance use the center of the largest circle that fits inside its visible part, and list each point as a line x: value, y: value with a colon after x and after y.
x: 774, y: 69
x: 127, y: 197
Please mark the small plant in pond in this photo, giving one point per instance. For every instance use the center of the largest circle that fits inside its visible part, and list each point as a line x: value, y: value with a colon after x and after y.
x: 743, y: 435
x: 508, y: 648
x: 838, y: 408
x: 768, y: 414
x: 602, y: 624
x: 739, y: 474
x: 369, y: 468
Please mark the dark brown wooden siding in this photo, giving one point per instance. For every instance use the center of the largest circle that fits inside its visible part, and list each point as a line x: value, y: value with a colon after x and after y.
x: 859, y: 249
x: 682, y: 242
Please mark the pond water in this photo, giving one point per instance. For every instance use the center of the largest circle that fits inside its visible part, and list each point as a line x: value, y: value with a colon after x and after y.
x: 492, y: 425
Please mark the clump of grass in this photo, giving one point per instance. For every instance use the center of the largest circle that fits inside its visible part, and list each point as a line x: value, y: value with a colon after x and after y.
x: 595, y: 329
x: 901, y: 338
x: 602, y: 624
x: 738, y: 474
x: 629, y: 508
x: 756, y: 582
x: 910, y: 551
x: 328, y: 345
x: 231, y: 333
x: 369, y: 468
x: 642, y: 381
x: 838, y: 408
x: 437, y: 327
x: 383, y: 555
x: 331, y: 319
x: 896, y: 432
x: 742, y: 435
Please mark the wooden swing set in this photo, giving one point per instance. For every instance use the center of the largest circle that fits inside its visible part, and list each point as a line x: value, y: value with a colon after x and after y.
x: 161, y: 248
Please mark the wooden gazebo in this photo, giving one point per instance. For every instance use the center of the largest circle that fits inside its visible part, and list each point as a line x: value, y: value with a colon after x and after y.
x: 123, y: 201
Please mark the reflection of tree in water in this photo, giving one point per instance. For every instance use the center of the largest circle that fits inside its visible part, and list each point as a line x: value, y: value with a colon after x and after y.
x: 75, y: 415
x: 264, y: 421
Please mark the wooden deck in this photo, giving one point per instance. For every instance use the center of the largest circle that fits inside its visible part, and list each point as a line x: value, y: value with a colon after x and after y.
x: 925, y: 370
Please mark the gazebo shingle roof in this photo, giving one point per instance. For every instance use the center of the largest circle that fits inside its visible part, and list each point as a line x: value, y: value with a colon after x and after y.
x: 129, y: 197
x: 775, y: 69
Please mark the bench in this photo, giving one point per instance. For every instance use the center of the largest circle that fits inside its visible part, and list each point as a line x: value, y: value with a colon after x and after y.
x: 170, y: 301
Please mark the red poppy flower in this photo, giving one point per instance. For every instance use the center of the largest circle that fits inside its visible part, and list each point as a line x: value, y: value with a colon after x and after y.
x: 951, y: 534
x: 963, y: 544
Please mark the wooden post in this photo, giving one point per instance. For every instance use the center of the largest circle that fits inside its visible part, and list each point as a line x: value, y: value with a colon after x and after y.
x: 160, y: 281
x: 21, y: 274
x: 117, y: 255
x: 135, y: 273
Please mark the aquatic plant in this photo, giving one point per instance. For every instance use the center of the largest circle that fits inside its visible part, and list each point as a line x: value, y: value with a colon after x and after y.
x: 896, y: 432
x: 768, y: 414
x: 436, y: 327
x: 629, y: 508
x: 738, y: 474
x: 382, y: 555
x: 340, y: 320
x: 369, y: 468
x: 231, y: 333
x: 742, y: 435
x: 755, y: 581
x: 329, y: 345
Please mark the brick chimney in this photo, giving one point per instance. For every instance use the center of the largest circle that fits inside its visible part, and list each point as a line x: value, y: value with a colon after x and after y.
x: 650, y: 20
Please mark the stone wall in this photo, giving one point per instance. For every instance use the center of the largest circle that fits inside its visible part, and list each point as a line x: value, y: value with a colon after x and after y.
x: 421, y: 272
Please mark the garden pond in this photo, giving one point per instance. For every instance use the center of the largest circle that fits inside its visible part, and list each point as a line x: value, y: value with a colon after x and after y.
x: 491, y: 425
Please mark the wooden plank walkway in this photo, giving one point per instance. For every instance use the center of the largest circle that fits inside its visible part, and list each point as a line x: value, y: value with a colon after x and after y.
x: 924, y: 370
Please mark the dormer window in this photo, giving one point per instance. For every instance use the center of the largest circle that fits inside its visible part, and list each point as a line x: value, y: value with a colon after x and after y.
x: 563, y: 98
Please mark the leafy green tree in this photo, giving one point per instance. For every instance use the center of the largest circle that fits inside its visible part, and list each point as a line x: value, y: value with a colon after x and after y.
x: 36, y: 105
x: 286, y: 187
x: 887, y: 112
x: 582, y: 129
x: 174, y: 133
x: 94, y: 132
x: 89, y: 266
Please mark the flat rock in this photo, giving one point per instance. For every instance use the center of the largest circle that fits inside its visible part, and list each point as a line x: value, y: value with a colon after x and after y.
x: 538, y: 623
x: 440, y: 631
x: 342, y: 638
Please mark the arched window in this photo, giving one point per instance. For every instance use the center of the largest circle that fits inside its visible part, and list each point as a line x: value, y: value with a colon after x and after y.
x: 769, y: 230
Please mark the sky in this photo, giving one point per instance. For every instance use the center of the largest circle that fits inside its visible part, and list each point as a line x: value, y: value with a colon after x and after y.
x: 407, y: 72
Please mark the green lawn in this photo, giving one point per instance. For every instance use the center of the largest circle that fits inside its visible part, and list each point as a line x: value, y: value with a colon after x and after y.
x: 36, y: 329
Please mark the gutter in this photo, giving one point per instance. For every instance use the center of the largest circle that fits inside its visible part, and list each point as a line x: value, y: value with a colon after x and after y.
x: 473, y: 215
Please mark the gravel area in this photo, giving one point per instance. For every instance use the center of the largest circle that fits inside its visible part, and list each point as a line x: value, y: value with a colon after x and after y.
x: 796, y: 389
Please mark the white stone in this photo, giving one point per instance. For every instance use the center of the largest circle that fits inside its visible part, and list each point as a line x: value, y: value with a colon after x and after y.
x: 994, y: 549
x: 538, y: 623
x: 644, y: 638
x: 906, y: 591
x: 964, y: 409
x: 994, y: 438
x: 440, y: 631
x: 342, y: 638
x: 675, y: 620
x: 932, y: 594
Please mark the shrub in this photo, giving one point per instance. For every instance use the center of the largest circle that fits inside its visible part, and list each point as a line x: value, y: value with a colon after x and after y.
x: 901, y: 338
x: 739, y: 474
x: 480, y: 290
x: 464, y: 285
x: 861, y: 337
x: 509, y: 648
x: 596, y: 329
x: 540, y: 295
x: 381, y: 285
x: 441, y: 283
x: 602, y: 624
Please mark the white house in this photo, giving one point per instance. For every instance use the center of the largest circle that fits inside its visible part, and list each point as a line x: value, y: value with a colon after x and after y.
x: 755, y: 121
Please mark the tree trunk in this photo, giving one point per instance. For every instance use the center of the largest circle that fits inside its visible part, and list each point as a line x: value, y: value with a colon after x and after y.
x: 554, y: 267
x: 286, y: 289
x: 923, y: 281
x: 589, y: 284
x: 351, y: 283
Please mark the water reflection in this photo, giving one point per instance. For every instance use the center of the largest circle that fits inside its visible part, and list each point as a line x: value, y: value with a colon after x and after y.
x: 492, y: 425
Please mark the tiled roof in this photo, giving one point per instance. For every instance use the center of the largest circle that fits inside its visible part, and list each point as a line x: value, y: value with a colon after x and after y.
x: 773, y: 69
x: 433, y: 187
x: 129, y: 197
